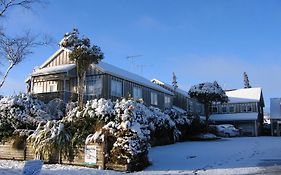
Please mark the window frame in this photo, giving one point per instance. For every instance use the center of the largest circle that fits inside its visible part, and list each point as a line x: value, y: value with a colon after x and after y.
x: 154, y: 98
x: 51, y: 86
x: 114, y: 88
x: 137, y: 93
x: 96, y: 86
x: 167, y: 101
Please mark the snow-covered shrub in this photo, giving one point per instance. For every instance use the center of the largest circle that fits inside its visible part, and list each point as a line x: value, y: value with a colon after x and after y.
x: 197, y: 125
x: 164, y: 129
x: 182, y: 123
x: 101, y: 110
x: 49, y: 138
x: 56, y: 108
x: 21, y: 111
x: 130, y: 133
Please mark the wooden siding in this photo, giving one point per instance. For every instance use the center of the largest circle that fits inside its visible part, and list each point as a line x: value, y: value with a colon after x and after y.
x: 180, y: 101
x: 60, y: 59
x: 128, y: 91
x: 8, y: 152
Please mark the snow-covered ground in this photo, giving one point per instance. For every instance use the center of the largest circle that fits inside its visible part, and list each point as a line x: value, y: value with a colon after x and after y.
x: 243, y: 155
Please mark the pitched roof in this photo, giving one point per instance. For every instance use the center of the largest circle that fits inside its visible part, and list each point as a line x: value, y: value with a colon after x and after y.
x: 244, y: 95
x: 105, y: 67
x: 118, y: 72
x: 178, y: 90
x: 234, y: 116
x: 52, y: 57
x: 54, y: 69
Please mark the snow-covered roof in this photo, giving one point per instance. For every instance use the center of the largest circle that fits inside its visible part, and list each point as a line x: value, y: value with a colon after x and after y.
x: 118, y: 72
x: 51, y: 57
x: 178, y: 90
x: 244, y: 95
x: 54, y: 69
x: 234, y: 116
x: 105, y: 67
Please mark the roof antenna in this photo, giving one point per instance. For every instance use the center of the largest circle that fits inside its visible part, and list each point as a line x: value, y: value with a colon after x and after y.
x: 141, y: 67
x: 131, y: 59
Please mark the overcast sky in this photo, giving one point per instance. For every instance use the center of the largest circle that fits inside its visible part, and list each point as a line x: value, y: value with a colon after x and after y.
x: 199, y: 40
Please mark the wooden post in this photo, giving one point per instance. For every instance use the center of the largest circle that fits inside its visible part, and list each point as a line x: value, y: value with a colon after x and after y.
x: 256, y: 129
x: 31, y: 85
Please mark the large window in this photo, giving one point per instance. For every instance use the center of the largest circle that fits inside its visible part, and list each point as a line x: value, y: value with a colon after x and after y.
x: 94, y: 85
x: 116, y: 88
x: 38, y: 88
x: 167, y: 101
x: 154, y: 100
x: 53, y: 87
x: 137, y: 93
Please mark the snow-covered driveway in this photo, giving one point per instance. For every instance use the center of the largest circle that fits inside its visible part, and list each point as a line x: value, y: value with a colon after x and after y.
x: 243, y: 155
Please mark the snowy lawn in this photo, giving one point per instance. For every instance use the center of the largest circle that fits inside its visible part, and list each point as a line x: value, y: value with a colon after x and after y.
x: 242, y: 155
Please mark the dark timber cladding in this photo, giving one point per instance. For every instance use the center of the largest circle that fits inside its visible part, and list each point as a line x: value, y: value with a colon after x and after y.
x: 128, y: 90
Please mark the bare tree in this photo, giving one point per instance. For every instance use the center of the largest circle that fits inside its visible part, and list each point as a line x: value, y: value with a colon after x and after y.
x: 15, y: 49
x: 5, y: 5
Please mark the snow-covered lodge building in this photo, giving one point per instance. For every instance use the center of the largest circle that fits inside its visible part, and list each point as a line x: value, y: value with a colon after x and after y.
x: 57, y: 78
x: 181, y: 98
x: 244, y: 110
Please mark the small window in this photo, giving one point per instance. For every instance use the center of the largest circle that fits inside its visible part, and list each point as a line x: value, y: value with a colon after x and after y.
x: 154, y: 100
x: 249, y: 108
x: 38, y: 88
x: 224, y: 109
x: 242, y: 108
x: 116, y: 88
x: 137, y: 93
x: 167, y: 101
x: 231, y: 109
x: 53, y: 88
x: 215, y: 109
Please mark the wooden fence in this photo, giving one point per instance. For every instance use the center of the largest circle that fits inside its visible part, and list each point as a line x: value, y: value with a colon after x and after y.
x: 11, y: 152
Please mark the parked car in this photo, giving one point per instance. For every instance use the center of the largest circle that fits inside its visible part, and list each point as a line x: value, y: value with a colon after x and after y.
x: 225, y: 130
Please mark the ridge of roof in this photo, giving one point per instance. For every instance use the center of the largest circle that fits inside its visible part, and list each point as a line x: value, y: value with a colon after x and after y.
x: 179, y: 90
x: 119, y: 72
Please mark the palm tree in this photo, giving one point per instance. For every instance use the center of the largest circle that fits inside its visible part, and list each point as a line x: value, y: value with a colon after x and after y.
x: 83, y: 54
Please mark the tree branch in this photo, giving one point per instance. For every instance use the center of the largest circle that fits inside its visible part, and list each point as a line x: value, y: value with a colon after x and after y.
x: 7, y: 4
x: 15, y: 50
x: 6, y: 74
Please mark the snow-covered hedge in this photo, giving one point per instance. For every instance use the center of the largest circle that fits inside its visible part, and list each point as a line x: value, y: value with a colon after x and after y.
x: 24, y: 111
x: 130, y: 125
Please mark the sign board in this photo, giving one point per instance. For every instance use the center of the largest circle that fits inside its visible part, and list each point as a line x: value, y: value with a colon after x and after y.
x: 32, y: 167
x: 91, y: 154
